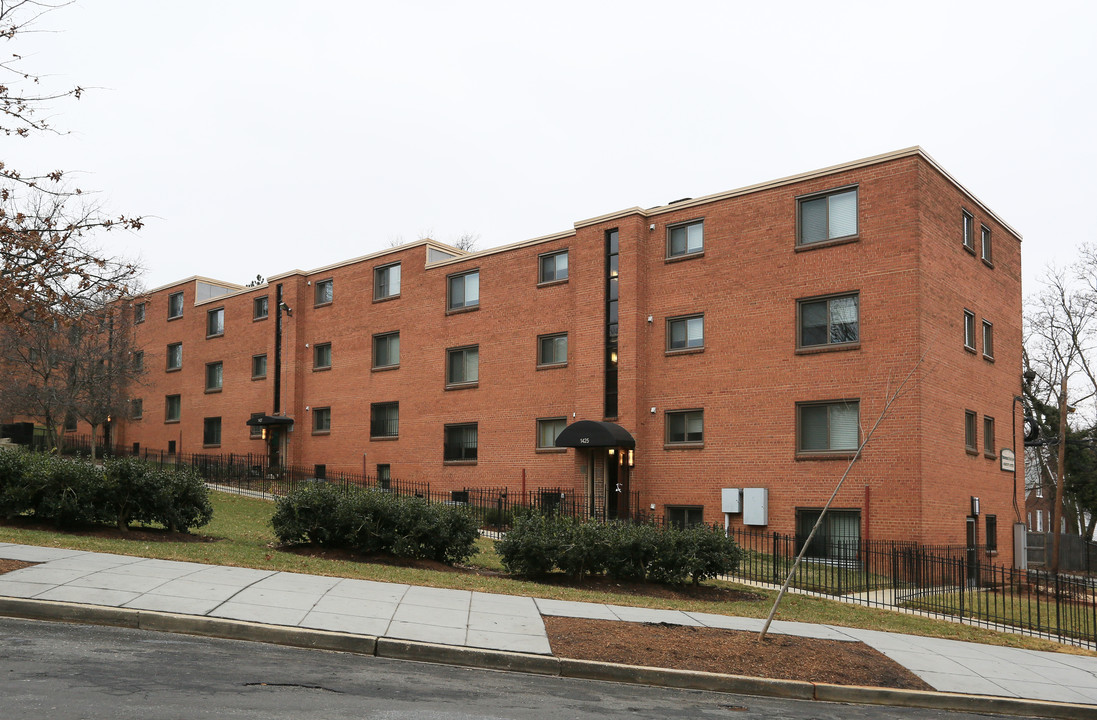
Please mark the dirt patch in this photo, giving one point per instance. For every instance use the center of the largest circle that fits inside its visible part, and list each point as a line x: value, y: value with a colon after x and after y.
x: 6, y: 566
x: 139, y: 534
x: 731, y: 652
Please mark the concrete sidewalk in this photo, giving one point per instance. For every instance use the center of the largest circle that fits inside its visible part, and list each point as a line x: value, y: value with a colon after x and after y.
x: 488, y: 622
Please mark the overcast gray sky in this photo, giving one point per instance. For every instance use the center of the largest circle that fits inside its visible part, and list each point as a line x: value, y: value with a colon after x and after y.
x: 260, y: 136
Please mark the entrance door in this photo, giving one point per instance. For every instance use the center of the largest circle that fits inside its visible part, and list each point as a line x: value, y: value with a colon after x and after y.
x: 274, y: 447
x: 613, y: 488
x: 972, y: 550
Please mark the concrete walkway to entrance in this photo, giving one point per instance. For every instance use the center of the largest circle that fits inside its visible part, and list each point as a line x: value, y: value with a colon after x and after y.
x: 475, y: 620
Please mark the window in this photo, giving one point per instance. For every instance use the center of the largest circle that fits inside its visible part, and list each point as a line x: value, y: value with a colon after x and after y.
x: 829, y: 216
x: 988, y: 340
x: 552, y: 349
x: 139, y: 361
x: 386, y: 282
x: 256, y: 431
x: 829, y: 321
x: 969, y: 330
x: 175, y: 305
x: 986, y: 248
x: 460, y: 443
x: 464, y: 290
x: 682, y: 516
x: 992, y: 533
x: 172, y: 408
x: 1039, y: 521
x: 139, y: 313
x: 260, y: 308
x: 828, y: 427
x: 175, y: 356
x: 324, y: 292
x: 970, y: 431
x: 258, y: 367
x: 685, y: 426
x: 838, y: 537
x: 70, y: 422
x: 321, y: 420
x: 547, y: 431
x: 969, y: 230
x: 384, y: 419
x: 686, y: 238
x: 321, y: 356
x: 211, y: 431
x: 552, y: 267
x: 137, y: 409
x: 214, y: 376
x: 988, y: 436
x: 463, y: 365
x: 684, y: 333
x: 384, y: 476
x: 386, y: 350
x: 215, y: 322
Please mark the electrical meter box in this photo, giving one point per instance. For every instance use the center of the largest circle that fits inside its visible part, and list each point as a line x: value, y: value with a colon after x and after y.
x: 755, y: 506
x: 731, y: 500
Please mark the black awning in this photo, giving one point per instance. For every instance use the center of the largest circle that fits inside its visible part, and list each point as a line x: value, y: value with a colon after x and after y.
x: 593, y: 433
x: 269, y: 421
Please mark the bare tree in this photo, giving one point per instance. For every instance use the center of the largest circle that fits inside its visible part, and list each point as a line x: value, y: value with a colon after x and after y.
x: 48, y: 259
x: 34, y: 372
x: 467, y: 242
x: 890, y: 398
x: 104, y: 371
x: 1060, y: 342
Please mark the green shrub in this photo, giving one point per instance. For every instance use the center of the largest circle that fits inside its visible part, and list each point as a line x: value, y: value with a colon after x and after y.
x: 308, y: 515
x: 584, y: 547
x: 71, y: 491
x: 632, y: 549
x: 13, y: 468
x: 185, y: 504
x: 532, y: 546
x: 370, y: 521
x: 538, y: 544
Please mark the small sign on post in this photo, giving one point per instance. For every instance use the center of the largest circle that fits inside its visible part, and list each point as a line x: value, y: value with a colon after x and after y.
x: 1008, y: 460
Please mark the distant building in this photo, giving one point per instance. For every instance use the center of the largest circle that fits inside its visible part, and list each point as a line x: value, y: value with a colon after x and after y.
x: 743, y: 340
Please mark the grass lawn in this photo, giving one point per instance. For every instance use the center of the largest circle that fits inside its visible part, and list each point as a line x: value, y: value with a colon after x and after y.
x: 245, y: 539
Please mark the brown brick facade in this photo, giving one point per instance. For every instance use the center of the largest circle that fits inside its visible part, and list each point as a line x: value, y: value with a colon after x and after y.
x: 906, y: 264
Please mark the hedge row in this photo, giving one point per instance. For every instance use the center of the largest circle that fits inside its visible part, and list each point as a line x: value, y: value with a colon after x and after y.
x: 369, y: 521
x: 121, y: 491
x: 538, y: 544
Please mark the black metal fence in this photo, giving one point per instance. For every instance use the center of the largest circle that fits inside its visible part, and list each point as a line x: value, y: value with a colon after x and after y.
x: 943, y: 580
x: 937, y: 580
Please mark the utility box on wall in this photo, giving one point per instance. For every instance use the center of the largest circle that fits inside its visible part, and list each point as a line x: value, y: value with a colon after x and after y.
x: 731, y: 500
x: 755, y: 506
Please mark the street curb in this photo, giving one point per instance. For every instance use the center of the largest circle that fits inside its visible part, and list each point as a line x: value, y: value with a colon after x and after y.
x: 410, y: 650
x: 686, y: 679
x: 957, y: 702
x: 396, y: 649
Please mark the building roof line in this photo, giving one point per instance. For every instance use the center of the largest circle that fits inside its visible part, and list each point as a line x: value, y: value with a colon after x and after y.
x: 915, y: 151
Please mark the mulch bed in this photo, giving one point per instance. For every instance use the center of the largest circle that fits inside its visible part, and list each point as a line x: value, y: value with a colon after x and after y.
x: 7, y: 566
x: 731, y: 652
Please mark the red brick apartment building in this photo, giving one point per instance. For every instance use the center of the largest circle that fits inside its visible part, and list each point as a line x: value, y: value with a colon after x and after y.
x: 728, y: 352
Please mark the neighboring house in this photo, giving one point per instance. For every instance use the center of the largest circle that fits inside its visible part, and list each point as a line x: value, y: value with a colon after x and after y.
x: 742, y: 340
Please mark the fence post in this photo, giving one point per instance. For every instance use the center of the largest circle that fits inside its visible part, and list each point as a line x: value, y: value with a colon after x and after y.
x: 962, y: 584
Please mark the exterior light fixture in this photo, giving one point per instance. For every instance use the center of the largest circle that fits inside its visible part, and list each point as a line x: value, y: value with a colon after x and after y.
x: 613, y: 451
x: 631, y: 460
x: 264, y: 433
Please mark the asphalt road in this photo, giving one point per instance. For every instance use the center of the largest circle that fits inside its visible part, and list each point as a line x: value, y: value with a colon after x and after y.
x: 60, y: 672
